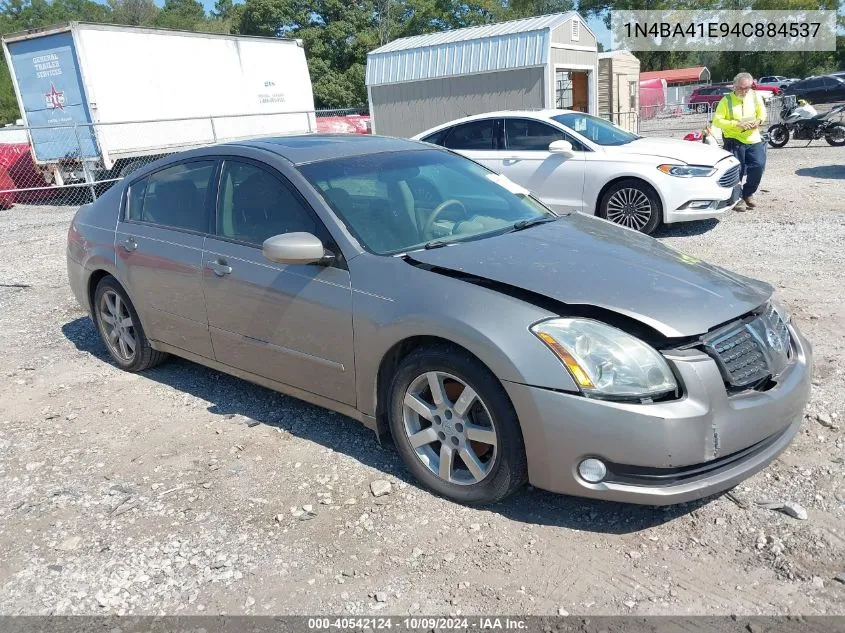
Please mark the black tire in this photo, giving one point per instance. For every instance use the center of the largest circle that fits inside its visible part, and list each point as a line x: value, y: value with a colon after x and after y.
x: 835, y: 135
x: 144, y: 356
x: 508, y: 471
x: 656, y: 217
x: 702, y: 108
x: 778, y: 135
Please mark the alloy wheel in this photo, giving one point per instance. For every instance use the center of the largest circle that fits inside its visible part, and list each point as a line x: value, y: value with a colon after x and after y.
x: 629, y: 207
x: 450, y: 428
x: 117, y: 326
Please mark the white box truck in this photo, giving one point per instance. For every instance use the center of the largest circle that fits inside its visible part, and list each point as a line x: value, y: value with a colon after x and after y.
x: 99, y: 100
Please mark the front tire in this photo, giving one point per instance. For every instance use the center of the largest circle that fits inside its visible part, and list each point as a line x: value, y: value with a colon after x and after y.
x: 455, y: 428
x: 778, y: 135
x: 633, y: 204
x: 835, y: 135
x: 120, y: 328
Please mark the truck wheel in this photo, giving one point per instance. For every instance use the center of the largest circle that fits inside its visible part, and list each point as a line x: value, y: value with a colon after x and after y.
x: 129, y: 167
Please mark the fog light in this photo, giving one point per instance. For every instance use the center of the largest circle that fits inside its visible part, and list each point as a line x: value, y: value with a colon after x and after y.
x: 700, y: 204
x: 592, y: 470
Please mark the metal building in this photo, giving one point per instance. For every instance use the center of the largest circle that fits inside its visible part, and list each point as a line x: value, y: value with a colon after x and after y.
x: 549, y: 61
x: 619, y: 88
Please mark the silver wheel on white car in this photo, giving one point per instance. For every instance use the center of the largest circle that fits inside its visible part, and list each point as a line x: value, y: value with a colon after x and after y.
x: 633, y: 204
x: 629, y: 207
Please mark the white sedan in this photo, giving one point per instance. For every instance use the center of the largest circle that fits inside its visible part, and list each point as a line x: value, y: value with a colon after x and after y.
x: 577, y: 162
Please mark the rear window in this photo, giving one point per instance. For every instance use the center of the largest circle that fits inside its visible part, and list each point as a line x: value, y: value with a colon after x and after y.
x: 173, y: 197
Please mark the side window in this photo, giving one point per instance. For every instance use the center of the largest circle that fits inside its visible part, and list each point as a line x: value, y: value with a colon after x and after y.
x: 528, y: 135
x: 174, y: 197
x: 438, y: 137
x: 135, y: 200
x: 255, y: 205
x: 473, y: 135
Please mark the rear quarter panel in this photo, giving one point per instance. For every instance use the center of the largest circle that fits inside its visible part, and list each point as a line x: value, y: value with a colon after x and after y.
x: 91, y: 245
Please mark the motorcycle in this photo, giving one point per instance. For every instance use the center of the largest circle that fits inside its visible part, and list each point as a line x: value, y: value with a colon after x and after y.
x: 801, y: 121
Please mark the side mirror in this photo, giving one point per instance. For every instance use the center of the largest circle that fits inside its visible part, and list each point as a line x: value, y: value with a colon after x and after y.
x: 295, y: 248
x: 564, y: 148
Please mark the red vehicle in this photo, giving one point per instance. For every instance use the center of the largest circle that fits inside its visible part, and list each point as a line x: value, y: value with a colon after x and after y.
x: 705, y: 98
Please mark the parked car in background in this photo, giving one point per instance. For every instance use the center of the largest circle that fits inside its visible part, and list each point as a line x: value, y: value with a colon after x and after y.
x: 766, y: 91
x: 573, y: 161
x: 821, y: 89
x: 429, y: 298
x: 705, y: 98
x: 777, y: 81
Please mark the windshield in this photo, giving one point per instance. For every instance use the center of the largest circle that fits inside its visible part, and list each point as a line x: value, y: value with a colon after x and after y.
x: 599, y: 131
x: 400, y: 201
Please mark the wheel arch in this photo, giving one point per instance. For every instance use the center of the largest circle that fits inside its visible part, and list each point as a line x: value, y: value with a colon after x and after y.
x: 630, y: 176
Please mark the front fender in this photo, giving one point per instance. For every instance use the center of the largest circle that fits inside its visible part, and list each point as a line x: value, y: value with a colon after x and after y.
x: 409, y: 302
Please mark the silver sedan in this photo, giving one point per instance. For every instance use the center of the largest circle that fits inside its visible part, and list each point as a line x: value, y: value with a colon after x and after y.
x: 439, y: 303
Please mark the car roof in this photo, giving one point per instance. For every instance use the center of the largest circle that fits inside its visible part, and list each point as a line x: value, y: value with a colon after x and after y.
x: 540, y: 114
x: 310, y: 148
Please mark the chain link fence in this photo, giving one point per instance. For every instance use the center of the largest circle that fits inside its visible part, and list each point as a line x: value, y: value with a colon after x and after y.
x: 72, y: 164
x: 679, y: 119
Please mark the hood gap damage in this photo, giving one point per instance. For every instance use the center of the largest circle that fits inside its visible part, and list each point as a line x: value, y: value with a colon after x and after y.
x: 627, y: 324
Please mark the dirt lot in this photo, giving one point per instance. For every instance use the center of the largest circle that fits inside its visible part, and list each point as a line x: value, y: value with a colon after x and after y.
x: 181, y: 490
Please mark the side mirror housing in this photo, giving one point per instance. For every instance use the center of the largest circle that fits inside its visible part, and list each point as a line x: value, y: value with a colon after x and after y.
x: 295, y: 248
x: 563, y: 148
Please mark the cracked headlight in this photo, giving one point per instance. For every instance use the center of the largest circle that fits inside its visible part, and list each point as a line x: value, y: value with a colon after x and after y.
x: 605, y: 361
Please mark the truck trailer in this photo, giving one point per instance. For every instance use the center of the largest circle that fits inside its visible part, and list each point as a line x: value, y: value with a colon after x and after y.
x: 99, y: 100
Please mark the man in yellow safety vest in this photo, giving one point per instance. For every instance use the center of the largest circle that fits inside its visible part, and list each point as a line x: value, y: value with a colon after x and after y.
x: 739, y: 115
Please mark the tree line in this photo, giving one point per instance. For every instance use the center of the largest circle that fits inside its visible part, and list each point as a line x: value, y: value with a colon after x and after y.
x: 339, y: 33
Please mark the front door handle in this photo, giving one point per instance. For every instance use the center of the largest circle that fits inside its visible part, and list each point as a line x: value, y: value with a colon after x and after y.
x: 219, y: 268
x: 129, y: 244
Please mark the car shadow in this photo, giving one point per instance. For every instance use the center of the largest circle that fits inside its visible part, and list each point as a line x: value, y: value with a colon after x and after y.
x: 232, y: 397
x: 686, y: 229
x: 830, y: 172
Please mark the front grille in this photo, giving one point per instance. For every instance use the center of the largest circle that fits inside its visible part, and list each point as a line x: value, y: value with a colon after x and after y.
x: 741, y: 358
x: 731, y: 177
x: 752, y: 350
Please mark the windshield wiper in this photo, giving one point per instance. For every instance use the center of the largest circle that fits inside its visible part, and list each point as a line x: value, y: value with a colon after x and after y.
x: 524, y: 224
x: 436, y: 244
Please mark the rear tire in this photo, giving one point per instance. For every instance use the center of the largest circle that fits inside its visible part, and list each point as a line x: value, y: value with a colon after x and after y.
x: 633, y: 204
x: 778, y: 135
x: 120, y: 328
x: 836, y: 135
x: 484, y: 428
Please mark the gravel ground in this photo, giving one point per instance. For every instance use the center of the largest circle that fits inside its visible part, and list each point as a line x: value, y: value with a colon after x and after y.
x: 185, y: 491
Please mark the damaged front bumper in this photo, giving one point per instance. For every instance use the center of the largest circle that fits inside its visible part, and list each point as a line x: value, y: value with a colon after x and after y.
x: 665, y: 452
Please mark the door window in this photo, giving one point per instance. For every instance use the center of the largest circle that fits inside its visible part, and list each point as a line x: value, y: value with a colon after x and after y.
x: 473, y: 135
x: 255, y: 205
x: 528, y: 135
x: 175, y: 197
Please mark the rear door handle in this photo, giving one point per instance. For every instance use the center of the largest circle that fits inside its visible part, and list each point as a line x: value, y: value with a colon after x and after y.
x: 129, y: 244
x: 219, y: 268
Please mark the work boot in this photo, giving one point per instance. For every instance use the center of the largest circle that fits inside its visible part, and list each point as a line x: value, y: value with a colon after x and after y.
x: 749, y: 202
x: 740, y: 206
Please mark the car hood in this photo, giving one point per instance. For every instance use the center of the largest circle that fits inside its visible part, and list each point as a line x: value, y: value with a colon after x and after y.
x: 581, y: 260
x: 674, y: 149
